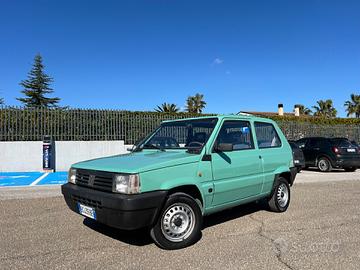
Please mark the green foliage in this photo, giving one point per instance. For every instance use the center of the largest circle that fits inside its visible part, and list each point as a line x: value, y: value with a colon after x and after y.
x: 317, y: 120
x: 37, y: 86
x: 167, y: 108
x: 353, y: 106
x: 325, y: 108
x: 195, y: 104
x: 304, y: 110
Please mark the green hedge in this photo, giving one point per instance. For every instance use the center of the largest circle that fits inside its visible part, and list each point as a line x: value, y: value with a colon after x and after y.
x: 19, y: 124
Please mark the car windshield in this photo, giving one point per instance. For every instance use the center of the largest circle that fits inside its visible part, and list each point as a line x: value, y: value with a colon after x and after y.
x: 186, y: 134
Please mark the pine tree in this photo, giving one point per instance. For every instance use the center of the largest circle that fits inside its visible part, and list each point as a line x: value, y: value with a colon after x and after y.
x: 37, y: 86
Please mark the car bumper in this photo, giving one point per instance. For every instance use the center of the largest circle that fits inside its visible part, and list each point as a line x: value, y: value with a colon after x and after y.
x: 122, y: 211
x: 293, y: 173
x: 346, y: 163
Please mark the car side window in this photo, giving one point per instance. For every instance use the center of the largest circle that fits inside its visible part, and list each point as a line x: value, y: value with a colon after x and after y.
x: 237, y: 133
x: 266, y: 135
x: 301, y: 143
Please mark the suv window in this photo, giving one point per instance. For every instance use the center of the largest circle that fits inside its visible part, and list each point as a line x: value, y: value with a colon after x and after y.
x: 317, y: 143
x: 266, y: 135
x: 343, y: 143
x: 238, y: 133
x: 301, y: 143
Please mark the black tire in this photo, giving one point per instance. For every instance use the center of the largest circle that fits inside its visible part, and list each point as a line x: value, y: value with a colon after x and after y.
x: 324, y: 165
x: 350, y: 169
x: 190, y: 213
x: 277, y: 198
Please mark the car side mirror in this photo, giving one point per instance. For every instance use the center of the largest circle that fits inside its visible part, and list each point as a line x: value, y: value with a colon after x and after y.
x: 224, y: 147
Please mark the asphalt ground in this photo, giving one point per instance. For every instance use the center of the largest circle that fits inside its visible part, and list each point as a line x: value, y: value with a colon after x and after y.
x: 320, y: 230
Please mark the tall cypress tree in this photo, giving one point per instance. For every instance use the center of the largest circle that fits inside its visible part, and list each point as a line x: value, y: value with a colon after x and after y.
x: 37, y: 86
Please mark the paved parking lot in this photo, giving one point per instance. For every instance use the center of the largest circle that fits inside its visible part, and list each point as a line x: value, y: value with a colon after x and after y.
x: 320, y: 230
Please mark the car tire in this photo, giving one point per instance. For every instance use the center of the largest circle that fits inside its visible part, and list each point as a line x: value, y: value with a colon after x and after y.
x: 324, y: 164
x: 179, y: 210
x: 280, y: 198
x: 350, y: 169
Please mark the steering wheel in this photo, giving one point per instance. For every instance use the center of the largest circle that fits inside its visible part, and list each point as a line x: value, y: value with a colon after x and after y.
x: 194, y: 144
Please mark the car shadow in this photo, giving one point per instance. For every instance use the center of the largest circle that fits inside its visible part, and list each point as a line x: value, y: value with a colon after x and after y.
x: 139, y: 237
x: 233, y: 213
x: 142, y: 237
x: 314, y: 169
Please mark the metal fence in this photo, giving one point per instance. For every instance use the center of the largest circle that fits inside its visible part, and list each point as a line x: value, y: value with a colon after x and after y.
x: 19, y: 124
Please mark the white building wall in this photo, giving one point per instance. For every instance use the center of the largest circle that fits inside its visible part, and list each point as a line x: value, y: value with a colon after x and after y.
x: 27, y: 156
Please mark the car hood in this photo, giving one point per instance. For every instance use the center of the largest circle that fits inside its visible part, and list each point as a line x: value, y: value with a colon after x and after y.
x: 138, y: 162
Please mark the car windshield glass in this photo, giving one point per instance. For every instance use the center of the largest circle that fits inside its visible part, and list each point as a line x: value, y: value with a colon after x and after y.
x: 186, y: 134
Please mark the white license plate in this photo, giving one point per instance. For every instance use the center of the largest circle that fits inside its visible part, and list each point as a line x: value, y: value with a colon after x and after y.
x: 87, y: 211
x: 351, y: 150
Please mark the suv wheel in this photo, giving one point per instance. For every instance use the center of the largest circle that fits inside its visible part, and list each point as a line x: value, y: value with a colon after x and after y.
x: 179, y: 223
x: 280, y: 198
x: 324, y: 164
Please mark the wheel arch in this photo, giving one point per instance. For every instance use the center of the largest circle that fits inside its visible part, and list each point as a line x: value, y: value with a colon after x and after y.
x: 191, y: 190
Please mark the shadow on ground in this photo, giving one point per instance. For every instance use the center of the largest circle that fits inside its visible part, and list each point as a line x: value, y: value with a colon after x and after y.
x: 142, y: 237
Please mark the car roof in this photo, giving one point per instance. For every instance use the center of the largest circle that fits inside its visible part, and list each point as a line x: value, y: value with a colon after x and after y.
x: 227, y: 116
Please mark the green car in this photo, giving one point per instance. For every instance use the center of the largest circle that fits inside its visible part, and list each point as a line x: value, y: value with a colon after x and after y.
x: 184, y: 170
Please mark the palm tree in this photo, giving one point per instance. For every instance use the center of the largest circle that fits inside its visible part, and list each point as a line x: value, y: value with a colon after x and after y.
x: 353, y: 106
x: 325, y: 108
x: 304, y: 110
x: 2, y: 102
x: 195, y: 104
x: 167, y: 108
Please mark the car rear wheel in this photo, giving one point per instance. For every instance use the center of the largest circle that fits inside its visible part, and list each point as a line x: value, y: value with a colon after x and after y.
x: 324, y: 164
x: 350, y: 169
x: 179, y: 223
x: 280, y: 198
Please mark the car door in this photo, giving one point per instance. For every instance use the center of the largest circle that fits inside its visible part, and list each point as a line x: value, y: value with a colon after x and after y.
x: 311, y: 151
x: 237, y: 174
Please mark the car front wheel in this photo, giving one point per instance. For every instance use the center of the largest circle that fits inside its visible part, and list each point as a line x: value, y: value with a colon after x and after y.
x: 179, y: 224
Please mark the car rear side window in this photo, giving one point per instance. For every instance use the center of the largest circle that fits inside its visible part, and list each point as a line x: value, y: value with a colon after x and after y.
x: 237, y: 133
x: 266, y: 135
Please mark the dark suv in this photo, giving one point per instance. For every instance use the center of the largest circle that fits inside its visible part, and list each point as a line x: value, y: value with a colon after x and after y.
x: 328, y: 153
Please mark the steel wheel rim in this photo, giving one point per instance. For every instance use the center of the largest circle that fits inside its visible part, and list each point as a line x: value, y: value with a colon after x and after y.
x: 178, y: 222
x: 323, y: 166
x: 282, y: 195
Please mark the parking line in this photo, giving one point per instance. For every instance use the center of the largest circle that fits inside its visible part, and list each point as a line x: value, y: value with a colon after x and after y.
x: 39, y: 179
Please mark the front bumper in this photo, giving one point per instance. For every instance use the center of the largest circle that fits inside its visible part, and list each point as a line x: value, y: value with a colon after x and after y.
x: 122, y: 211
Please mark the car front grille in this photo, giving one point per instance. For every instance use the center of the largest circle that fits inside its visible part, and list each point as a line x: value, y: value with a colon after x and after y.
x: 87, y: 201
x: 95, y: 179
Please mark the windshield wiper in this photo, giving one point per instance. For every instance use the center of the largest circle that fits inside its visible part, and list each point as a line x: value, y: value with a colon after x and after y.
x: 151, y: 146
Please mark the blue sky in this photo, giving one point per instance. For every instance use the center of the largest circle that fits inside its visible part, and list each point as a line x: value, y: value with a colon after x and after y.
x: 242, y: 55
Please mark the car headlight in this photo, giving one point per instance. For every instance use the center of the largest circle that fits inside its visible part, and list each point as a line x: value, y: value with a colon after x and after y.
x: 126, y: 183
x: 72, y: 176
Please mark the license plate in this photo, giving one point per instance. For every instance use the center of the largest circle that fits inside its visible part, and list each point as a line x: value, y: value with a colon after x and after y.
x: 87, y: 211
x: 351, y: 150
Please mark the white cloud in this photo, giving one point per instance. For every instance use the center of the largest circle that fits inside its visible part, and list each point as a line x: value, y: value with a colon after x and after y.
x: 218, y: 61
